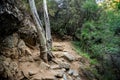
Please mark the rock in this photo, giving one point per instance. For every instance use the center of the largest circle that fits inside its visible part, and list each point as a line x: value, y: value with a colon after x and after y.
x: 70, y: 72
x: 58, y: 61
x: 9, y: 41
x: 75, y: 73
x: 30, y: 59
x: 55, y: 67
x: 7, y: 61
x: 64, y: 65
x: 13, y: 66
x: 58, y: 54
x: 65, y: 77
x: 32, y: 72
x: 70, y: 78
x: 43, y: 65
x: 63, y: 70
x: 21, y: 44
x: 78, y: 78
x: 60, y: 74
x: 69, y: 56
x: 28, y: 52
x: 78, y: 58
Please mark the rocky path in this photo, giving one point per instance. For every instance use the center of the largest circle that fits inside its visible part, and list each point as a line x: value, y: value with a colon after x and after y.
x: 67, y: 65
x: 68, y: 61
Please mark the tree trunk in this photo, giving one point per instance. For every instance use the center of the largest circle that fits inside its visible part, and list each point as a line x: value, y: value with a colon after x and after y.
x: 47, y: 25
x: 43, y: 43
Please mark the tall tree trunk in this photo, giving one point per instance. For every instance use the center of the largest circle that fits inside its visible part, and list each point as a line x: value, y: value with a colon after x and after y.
x: 47, y: 25
x: 43, y: 43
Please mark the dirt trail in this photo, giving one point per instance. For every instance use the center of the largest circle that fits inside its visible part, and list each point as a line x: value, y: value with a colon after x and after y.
x: 67, y: 64
x: 65, y: 47
x: 64, y: 51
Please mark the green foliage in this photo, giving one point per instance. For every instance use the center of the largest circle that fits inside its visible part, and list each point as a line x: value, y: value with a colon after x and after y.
x: 102, y: 37
x: 77, y: 48
x: 90, y: 5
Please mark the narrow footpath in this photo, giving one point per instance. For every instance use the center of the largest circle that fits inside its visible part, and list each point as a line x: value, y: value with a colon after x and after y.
x: 67, y: 65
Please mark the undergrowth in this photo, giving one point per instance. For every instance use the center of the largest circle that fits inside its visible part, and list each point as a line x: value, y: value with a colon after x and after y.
x: 83, y: 54
x: 92, y: 62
